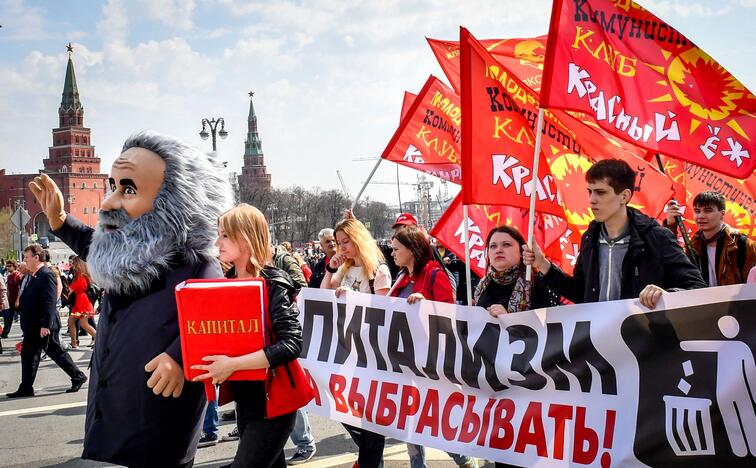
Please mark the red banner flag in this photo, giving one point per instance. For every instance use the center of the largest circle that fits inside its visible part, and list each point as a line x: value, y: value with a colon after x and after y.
x: 497, y: 142
x: 524, y: 56
x: 573, y: 132
x: 648, y: 84
x: 740, y: 194
x: 407, y: 101
x: 428, y: 138
x: 562, y: 241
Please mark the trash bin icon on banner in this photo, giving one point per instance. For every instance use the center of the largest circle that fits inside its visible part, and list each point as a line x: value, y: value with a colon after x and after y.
x: 687, y: 423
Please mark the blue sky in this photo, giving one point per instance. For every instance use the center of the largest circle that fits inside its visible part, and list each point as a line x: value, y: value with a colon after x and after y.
x: 328, y: 75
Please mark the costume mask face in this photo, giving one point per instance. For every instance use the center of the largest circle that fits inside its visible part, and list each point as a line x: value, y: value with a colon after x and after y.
x: 135, y: 181
x: 162, y: 212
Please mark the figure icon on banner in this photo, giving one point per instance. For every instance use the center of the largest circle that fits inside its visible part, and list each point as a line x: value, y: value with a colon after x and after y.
x: 736, y: 382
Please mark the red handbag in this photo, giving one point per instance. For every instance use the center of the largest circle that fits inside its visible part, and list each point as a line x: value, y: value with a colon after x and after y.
x: 287, y: 388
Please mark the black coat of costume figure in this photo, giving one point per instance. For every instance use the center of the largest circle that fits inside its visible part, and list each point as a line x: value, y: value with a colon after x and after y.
x: 155, y: 230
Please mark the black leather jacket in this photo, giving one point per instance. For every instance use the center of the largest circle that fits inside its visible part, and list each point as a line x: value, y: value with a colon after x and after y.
x: 284, y: 315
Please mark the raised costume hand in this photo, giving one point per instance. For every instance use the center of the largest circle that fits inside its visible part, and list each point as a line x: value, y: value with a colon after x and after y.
x: 50, y: 197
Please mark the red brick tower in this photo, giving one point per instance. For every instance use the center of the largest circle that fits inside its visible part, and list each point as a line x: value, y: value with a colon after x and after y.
x: 254, y: 178
x: 71, y: 163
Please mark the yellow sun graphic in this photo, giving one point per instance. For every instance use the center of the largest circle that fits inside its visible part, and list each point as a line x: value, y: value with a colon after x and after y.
x: 704, y: 87
x: 569, y: 169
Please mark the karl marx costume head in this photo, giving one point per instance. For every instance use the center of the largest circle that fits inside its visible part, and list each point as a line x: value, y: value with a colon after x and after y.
x: 163, y: 208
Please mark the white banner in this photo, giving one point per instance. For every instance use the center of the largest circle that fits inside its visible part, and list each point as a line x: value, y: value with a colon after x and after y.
x: 602, y: 384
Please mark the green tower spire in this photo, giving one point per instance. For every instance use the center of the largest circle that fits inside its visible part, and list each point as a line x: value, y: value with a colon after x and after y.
x: 70, y: 99
x: 253, y: 145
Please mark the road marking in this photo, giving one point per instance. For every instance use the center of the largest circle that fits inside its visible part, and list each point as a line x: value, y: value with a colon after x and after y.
x: 350, y: 458
x: 396, y: 452
x: 42, y: 409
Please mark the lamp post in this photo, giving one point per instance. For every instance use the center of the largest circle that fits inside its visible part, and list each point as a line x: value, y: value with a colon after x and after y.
x: 213, y: 125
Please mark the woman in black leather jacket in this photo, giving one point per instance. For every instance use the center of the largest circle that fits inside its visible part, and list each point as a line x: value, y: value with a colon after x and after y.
x: 244, y: 242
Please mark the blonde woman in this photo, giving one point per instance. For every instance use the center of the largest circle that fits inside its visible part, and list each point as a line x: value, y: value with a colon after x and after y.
x: 244, y: 242
x: 359, y: 266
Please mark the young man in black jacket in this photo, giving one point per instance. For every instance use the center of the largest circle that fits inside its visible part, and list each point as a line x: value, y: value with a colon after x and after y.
x: 623, y: 254
x: 40, y: 324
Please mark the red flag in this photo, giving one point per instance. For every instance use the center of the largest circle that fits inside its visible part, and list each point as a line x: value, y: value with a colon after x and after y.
x: 648, y: 84
x: 497, y: 143
x: 740, y: 194
x: 563, y: 131
x: 449, y: 230
x: 564, y: 252
x: 407, y: 101
x: 428, y: 138
x: 524, y: 56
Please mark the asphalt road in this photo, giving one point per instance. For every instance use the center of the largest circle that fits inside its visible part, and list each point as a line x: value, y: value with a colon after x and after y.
x: 48, y: 429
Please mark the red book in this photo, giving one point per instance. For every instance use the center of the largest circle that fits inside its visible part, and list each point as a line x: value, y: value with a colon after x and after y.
x: 221, y: 317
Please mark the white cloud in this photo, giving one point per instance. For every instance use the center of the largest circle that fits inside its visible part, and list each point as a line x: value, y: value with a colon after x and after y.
x: 171, y: 62
x: 172, y: 13
x: 22, y: 22
x: 686, y: 8
x: 114, y: 23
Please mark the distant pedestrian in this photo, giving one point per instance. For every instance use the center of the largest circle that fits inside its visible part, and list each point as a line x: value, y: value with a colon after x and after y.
x: 82, y: 308
x: 41, y: 324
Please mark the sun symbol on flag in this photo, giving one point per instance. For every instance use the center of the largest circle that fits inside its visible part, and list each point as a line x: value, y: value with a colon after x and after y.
x: 738, y: 217
x: 569, y: 169
x: 703, y: 86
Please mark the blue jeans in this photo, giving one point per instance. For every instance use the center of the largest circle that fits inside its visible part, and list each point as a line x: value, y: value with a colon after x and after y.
x: 301, y: 436
x: 210, y: 426
x: 417, y: 456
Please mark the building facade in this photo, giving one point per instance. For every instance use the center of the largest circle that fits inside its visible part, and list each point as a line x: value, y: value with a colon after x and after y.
x: 71, y: 163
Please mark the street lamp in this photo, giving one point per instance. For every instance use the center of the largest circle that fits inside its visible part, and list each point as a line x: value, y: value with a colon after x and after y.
x: 213, y: 125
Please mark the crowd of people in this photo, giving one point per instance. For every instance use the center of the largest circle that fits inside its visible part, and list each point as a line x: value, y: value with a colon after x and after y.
x: 624, y: 254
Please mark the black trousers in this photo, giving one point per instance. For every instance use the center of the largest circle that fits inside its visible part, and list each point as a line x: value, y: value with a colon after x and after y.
x: 261, y: 440
x: 31, y: 351
x: 8, y: 315
x: 370, y: 444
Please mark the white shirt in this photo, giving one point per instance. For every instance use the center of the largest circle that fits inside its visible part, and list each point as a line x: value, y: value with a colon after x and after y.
x: 354, y: 278
x: 711, y: 252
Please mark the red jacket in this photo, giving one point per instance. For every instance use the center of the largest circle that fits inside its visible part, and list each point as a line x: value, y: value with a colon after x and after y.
x: 432, y: 282
x: 14, y: 283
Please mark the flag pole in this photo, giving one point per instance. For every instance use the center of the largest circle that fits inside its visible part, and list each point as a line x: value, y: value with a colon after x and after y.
x: 534, y: 191
x: 364, y: 186
x: 683, y: 231
x: 467, y: 255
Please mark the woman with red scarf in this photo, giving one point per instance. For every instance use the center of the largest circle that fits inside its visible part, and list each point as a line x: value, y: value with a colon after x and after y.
x: 82, y: 308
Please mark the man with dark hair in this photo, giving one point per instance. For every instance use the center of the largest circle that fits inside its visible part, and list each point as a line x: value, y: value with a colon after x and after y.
x: 729, y: 255
x: 623, y: 254
x: 40, y: 324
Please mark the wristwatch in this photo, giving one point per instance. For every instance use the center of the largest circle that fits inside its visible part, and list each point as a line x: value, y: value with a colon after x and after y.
x: 331, y: 270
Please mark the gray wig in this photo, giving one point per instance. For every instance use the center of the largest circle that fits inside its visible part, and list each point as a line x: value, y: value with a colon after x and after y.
x: 183, y: 221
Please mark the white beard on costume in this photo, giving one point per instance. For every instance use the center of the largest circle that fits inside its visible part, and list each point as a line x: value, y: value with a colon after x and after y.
x: 128, y: 259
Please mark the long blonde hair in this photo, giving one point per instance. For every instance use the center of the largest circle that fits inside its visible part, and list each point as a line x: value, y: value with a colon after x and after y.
x: 246, y: 226
x: 367, y: 249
